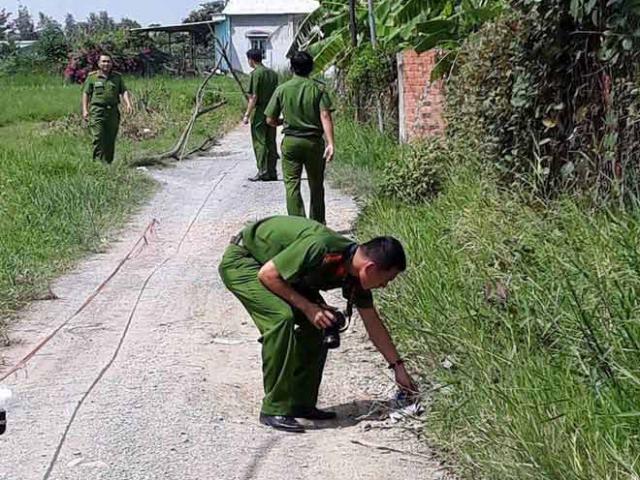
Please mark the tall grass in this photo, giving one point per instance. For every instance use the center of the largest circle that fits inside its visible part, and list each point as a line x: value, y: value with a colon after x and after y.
x: 41, y: 98
x: 54, y: 206
x: 360, y: 156
x: 56, y: 203
x: 525, y: 325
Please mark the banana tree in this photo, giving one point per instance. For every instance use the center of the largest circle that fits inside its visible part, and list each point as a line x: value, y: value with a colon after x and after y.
x: 418, y: 24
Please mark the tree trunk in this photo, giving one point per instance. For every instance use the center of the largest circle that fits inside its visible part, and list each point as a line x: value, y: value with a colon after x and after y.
x: 353, y: 25
x: 372, y: 25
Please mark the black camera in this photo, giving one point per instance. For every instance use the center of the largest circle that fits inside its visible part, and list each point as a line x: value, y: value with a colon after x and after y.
x: 3, y: 421
x: 331, y: 338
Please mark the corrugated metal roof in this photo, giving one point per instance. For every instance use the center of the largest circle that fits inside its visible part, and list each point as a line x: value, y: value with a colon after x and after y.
x: 270, y: 7
x: 183, y: 27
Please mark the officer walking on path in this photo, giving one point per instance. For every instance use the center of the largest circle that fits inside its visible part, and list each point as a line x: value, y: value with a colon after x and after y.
x: 100, y: 99
x: 306, y: 109
x: 276, y: 267
x: 262, y: 83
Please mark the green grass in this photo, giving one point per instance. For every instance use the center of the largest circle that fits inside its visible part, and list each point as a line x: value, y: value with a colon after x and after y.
x: 361, y: 154
x: 56, y: 204
x: 41, y: 98
x: 544, y: 385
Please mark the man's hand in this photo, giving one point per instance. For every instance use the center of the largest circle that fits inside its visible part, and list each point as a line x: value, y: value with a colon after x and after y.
x: 320, y: 317
x: 404, y: 380
x: 245, y: 119
x: 128, y: 108
x: 85, y: 116
x: 328, y: 152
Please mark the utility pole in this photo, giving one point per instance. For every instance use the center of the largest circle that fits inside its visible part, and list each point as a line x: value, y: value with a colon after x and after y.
x: 374, y: 44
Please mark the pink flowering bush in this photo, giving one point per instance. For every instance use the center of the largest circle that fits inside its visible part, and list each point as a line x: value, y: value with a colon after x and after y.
x: 131, y: 55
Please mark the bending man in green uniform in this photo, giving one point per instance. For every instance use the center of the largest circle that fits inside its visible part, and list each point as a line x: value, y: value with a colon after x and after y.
x: 276, y: 267
x: 306, y: 109
x: 100, y: 99
x: 262, y: 83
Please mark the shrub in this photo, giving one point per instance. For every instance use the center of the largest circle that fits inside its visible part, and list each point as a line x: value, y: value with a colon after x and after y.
x: 371, y: 75
x: 52, y: 47
x: 416, y: 175
x: 555, y: 86
x: 131, y: 54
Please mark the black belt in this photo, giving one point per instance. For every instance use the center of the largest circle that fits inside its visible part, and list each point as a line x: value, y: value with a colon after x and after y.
x: 236, y: 239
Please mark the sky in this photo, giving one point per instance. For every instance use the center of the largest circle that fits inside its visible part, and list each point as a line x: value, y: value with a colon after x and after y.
x: 143, y: 11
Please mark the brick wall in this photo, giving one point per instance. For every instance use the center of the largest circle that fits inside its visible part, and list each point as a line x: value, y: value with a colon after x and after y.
x: 421, y: 101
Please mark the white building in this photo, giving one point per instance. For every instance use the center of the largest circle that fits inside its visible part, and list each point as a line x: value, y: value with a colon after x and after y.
x: 269, y: 25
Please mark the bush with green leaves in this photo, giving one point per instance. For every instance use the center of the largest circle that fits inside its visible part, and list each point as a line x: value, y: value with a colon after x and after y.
x: 370, y: 80
x: 416, y: 175
x: 555, y: 86
x: 52, y: 46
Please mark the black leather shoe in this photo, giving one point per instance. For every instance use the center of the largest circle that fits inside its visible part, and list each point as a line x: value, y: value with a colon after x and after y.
x: 317, y: 414
x: 256, y: 178
x: 279, y: 422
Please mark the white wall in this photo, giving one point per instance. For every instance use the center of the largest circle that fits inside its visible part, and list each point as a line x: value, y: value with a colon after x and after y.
x: 281, y: 29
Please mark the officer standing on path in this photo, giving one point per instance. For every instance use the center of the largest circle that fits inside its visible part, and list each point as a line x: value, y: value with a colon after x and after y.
x: 306, y: 109
x: 262, y: 83
x: 100, y: 99
x: 276, y: 267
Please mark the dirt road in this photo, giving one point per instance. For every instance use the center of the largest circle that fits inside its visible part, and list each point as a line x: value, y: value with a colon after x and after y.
x: 159, y: 377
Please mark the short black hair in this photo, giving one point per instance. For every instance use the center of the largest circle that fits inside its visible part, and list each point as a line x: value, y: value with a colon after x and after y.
x: 302, y: 64
x: 255, y: 55
x: 386, y: 252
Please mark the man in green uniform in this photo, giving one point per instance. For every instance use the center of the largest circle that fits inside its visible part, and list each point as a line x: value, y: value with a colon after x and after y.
x: 262, y: 84
x: 306, y: 109
x: 100, y: 99
x: 276, y: 267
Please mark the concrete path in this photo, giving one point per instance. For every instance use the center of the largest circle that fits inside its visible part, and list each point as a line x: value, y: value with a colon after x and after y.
x: 159, y: 378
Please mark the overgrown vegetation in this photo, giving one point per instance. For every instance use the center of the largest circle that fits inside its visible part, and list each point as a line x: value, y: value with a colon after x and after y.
x: 520, y: 308
x: 555, y: 85
x: 73, y: 49
x: 339, y: 34
x: 522, y: 319
x: 55, y: 202
x: 524, y: 325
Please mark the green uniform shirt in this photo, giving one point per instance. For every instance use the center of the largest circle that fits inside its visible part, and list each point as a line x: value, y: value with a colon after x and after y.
x: 104, y: 90
x: 307, y: 254
x: 262, y: 83
x: 300, y: 101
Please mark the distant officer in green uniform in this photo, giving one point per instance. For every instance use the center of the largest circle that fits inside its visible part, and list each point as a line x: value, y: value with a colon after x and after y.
x: 306, y: 109
x: 262, y: 83
x: 276, y: 267
x: 100, y: 99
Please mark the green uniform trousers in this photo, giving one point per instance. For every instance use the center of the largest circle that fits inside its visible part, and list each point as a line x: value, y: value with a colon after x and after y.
x: 307, y: 152
x: 293, y: 356
x: 264, y: 144
x: 104, y: 122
